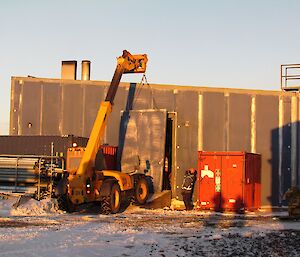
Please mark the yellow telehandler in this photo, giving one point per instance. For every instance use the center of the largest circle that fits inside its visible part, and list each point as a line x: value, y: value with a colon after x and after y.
x: 110, y: 188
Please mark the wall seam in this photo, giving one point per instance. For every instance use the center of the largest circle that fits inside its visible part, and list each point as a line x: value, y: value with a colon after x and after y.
x: 253, y: 124
x: 280, y: 146
x: 200, y: 122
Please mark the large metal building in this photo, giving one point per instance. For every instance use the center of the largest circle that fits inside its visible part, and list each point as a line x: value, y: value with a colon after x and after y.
x: 155, y: 122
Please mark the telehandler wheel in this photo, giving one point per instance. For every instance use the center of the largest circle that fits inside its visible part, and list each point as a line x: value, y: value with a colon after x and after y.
x: 141, y: 191
x: 65, y: 204
x: 112, y: 203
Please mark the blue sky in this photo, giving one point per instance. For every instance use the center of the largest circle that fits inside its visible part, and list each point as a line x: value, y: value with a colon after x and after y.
x: 232, y: 43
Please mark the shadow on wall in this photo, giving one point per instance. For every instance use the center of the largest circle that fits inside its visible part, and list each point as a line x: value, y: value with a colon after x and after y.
x: 284, y: 159
x: 124, y: 122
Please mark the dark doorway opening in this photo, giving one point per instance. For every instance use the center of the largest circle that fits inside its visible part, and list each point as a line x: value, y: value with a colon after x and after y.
x: 169, y: 153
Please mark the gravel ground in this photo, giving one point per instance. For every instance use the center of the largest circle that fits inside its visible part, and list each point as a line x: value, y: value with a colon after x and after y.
x: 37, y: 229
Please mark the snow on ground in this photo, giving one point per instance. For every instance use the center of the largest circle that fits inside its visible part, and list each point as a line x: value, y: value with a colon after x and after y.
x: 39, y: 229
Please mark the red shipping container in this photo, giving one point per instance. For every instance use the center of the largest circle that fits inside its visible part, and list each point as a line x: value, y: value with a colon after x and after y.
x: 229, y: 181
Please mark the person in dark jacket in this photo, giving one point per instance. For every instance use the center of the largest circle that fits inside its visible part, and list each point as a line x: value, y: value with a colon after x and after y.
x: 187, y: 188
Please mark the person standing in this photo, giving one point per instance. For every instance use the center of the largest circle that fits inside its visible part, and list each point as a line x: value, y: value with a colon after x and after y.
x: 187, y: 188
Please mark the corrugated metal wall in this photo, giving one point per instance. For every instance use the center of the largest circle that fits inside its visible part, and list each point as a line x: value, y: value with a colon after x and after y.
x: 207, y: 119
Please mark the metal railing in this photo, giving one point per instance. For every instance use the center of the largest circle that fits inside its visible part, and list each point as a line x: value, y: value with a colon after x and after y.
x: 289, y: 77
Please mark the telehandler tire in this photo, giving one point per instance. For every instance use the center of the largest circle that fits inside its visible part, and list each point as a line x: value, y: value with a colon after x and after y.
x: 141, y: 191
x: 111, y: 204
x: 65, y: 204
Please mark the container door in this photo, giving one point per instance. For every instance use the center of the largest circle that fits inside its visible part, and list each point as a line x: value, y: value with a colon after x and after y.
x: 209, y: 167
x: 144, y: 144
x: 232, y: 182
x: 257, y: 180
x: 249, y: 181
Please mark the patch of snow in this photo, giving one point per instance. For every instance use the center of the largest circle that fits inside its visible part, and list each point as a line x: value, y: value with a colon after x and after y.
x: 36, y: 208
x: 6, y: 203
x: 216, y: 236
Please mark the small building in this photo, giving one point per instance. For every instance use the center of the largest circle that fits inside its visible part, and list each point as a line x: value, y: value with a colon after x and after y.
x: 161, y: 128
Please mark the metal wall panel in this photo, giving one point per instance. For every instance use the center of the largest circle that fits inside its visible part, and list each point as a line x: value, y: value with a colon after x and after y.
x: 213, y: 121
x: 16, y: 86
x: 113, y: 124
x: 143, y: 98
x: 51, y: 109
x: 144, y: 145
x: 187, y: 134
x: 239, y: 122
x: 30, y: 108
x: 93, y: 95
x: 267, y: 145
x: 286, y: 147
x: 72, y: 108
x: 163, y: 98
